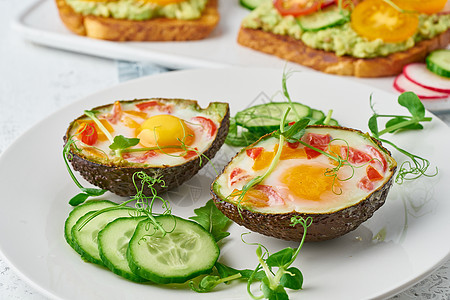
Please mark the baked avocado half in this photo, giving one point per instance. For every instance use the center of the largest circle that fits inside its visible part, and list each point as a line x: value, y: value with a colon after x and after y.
x: 168, y: 139
x: 339, y: 187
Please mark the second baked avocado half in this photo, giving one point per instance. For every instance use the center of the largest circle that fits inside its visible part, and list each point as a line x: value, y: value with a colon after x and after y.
x: 339, y: 186
x: 169, y: 139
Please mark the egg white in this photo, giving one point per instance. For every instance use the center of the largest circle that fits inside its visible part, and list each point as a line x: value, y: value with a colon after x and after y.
x: 343, y: 194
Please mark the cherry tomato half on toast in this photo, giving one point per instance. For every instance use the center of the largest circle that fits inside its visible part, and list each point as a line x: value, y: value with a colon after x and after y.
x: 422, y: 6
x: 300, y: 7
x: 375, y: 19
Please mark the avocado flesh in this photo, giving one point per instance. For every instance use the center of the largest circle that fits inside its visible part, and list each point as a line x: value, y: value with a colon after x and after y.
x: 328, y: 223
x: 117, y: 177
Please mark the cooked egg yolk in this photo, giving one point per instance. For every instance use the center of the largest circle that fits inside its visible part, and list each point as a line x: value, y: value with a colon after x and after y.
x: 164, y: 130
x: 264, y: 160
x: 307, y: 181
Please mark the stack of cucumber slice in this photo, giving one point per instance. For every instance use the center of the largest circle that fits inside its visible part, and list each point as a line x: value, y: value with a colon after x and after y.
x: 250, y: 124
x: 128, y: 243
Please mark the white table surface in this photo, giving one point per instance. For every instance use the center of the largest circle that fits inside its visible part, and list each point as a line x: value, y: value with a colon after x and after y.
x: 35, y: 81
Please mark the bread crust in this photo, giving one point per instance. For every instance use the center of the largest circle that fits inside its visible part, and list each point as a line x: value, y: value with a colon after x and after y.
x: 296, y: 51
x: 158, y: 29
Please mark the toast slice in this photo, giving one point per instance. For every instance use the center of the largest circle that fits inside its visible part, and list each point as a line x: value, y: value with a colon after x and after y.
x: 296, y: 51
x: 158, y: 29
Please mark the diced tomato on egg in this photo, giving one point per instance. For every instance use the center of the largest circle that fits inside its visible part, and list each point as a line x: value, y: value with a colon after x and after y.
x: 319, y: 141
x: 191, y: 153
x: 116, y: 113
x: 145, y: 105
x: 139, y: 157
x: 293, y: 145
x: 88, y: 133
x: 355, y: 156
x: 365, y: 184
x: 254, y: 152
x: 379, y: 160
x: 207, y: 125
x: 237, y: 175
x: 260, y: 196
x: 373, y: 174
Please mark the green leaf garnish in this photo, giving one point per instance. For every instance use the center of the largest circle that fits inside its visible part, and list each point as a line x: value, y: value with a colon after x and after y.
x: 416, y: 166
x: 213, y: 220
x: 78, y: 199
x: 87, y: 192
x: 275, y: 281
x: 292, y: 279
x: 280, y: 258
x: 121, y: 142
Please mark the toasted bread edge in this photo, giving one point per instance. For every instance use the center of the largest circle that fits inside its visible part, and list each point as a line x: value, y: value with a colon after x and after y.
x: 294, y: 50
x: 159, y: 29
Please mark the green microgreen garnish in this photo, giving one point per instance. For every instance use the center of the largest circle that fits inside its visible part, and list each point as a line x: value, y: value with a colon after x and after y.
x: 121, y: 142
x: 143, y: 203
x: 238, y: 136
x: 417, y: 166
x: 255, y: 121
x: 274, y: 271
x: 275, y: 282
x: 288, y: 133
x: 93, y: 115
x: 286, y: 76
x: 213, y: 220
x: 85, y: 192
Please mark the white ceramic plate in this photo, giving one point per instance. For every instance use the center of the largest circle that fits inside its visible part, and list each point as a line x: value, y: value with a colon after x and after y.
x: 36, y: 188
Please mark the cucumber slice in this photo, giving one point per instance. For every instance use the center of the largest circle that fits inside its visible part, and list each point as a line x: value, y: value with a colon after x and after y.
x: 265, y: 118
x: 113, y: 244
x: 78, y: 212
x: 85, y: 238
x: 317, y: 116
x: 438, y: 62
x: 328, y: 17
x: 333, y: 122
x: 251, y: 4
x: 182, y: 254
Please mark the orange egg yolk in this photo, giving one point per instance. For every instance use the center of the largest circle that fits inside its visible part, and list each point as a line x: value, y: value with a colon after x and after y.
x: 263, y: 160
x: 163, y: 131
x: 307, y: 181
x: 253, y: 198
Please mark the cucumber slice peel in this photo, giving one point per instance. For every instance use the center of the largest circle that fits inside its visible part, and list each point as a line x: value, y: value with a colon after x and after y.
x: 113, y: 244
x: 328, y: 17
x: 182, y: 254
x: 85, y: 234
x: 265, y: 118
x: 78, y: 212
x: 438, y: 62
x: 251, y: 4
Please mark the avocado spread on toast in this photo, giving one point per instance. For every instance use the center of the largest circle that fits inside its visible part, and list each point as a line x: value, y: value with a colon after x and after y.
x: 341, y: 39
x: 139, y: 10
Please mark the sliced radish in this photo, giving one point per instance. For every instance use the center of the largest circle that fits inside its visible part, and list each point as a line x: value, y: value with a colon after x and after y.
x: 419, y: 74
x: 403, y: 84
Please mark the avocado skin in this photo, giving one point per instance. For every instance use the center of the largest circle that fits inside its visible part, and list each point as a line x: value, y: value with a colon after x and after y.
x: 323, y: 227
x: 119, y: 180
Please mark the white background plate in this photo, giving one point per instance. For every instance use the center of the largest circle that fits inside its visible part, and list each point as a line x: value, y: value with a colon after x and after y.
x: 36, y: 188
